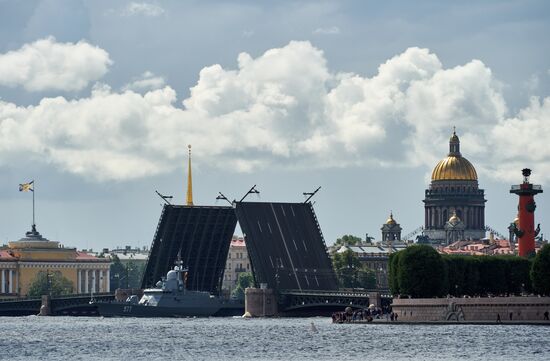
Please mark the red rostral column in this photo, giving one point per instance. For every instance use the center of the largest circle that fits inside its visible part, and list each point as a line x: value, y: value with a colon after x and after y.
x: 526, y: 231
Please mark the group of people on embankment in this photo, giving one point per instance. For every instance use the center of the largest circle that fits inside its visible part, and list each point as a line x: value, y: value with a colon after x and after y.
x: 367, y: 314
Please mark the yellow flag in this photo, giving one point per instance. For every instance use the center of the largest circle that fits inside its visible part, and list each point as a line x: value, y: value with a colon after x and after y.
x: 26, y: 187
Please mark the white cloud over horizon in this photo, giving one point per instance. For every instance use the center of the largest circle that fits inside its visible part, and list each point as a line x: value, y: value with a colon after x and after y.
x: 142, y: 8
x: 331, y: 30
x: 285, y: 108
x: 146, y: 81
x: 49, y: 65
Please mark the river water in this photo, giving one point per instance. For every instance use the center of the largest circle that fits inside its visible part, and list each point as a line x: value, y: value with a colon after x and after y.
x: 82, y: 338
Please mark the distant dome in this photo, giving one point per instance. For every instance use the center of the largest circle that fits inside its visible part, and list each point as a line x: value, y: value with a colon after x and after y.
x: 391, y: 220
x: 455, y: 166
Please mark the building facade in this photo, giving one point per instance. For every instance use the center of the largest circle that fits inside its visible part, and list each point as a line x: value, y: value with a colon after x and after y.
x: 23, y: 260
x: 454, y: 190
x: 237, y: 263
x: 375, y: 255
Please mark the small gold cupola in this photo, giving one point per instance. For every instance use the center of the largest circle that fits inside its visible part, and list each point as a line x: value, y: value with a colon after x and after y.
x: 391, y: 220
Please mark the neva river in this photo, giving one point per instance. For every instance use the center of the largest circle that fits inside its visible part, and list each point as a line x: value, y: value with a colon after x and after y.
x: 73, y: 338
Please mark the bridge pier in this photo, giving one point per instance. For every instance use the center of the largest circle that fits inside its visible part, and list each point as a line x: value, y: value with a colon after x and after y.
x: 375, y: 299
x: 260, y: 302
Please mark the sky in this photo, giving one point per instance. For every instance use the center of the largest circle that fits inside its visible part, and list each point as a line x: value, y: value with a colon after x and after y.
x: 99, y: 100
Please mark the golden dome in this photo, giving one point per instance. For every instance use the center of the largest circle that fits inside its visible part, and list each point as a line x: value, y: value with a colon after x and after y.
x: 391, y: 220
x: 455, y: 166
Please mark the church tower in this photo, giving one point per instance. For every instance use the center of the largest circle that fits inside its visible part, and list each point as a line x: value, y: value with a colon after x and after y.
x: 454, y: 188
x: 391, y: 230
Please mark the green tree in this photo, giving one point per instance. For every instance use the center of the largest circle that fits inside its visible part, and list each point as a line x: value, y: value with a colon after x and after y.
x: 52, y: 283
x: 245, y: 280
x: 392, y: 276
x: 456, y: 273
x: 351, y: 273
x: 471, y: 276
x: 126, y: 275
x: 540, y: 271
x: 135, y: 273
x: 517, y: 274
x: 348, y: 240
x: 117, y: 273
x: 366, y: 278
x: 492, y: 275
x: 421, y: 272
x: 345, y: 266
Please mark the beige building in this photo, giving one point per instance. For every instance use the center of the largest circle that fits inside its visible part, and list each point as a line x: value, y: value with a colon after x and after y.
x: 237, y: 263
x: 23, y: 260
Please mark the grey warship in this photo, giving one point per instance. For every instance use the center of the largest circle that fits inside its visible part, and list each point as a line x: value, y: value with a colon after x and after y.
x: 168, y: 299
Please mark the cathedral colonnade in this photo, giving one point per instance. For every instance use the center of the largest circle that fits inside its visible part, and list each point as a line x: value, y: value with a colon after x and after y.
x: 472, y: 216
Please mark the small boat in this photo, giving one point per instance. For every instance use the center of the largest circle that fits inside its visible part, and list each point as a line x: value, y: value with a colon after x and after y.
x: 168, y: 299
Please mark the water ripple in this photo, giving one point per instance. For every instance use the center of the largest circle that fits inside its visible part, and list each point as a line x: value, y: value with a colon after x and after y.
x: 66, y: 338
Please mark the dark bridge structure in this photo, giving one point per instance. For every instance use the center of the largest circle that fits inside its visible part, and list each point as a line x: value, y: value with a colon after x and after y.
x: 284, y: 241
x: 77, y: 305
x: 201, y: 235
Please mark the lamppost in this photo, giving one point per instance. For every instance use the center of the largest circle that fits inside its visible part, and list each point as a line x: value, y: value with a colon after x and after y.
x: 128, y: 269
x: 49, y: 283
x: 522, y: 289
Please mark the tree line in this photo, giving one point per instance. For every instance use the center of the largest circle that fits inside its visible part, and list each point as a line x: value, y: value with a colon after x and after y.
x: 420, y: 271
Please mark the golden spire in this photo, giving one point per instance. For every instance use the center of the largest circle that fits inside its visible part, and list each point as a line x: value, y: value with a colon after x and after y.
x: 189, y: 181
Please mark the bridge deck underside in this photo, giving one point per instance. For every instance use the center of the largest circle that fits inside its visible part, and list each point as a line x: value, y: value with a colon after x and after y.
x: 286, y: 246
x: 202, y: 235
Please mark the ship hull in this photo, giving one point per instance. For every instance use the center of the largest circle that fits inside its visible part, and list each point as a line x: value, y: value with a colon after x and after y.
x: 123, y: 309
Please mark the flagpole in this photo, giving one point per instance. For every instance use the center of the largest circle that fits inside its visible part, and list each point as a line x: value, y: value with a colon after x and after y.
x: 33, y: 190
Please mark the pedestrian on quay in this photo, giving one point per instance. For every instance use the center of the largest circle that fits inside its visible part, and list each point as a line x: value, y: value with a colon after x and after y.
x: 546, y: 316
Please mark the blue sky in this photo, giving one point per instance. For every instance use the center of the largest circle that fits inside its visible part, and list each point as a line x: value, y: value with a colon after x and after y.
x: 99, y: 99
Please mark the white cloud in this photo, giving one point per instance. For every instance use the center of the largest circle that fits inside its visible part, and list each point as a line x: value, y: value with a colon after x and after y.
x: 286, y: 109
x: 332, y: 30
x: 147, y: 81
x: 48, y: 65
x: 143, y: 8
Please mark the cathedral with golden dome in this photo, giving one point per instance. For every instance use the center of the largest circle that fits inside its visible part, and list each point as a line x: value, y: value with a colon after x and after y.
x: 453, y: 200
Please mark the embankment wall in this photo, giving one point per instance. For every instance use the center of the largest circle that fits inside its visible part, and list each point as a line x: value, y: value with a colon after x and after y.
x: 471, y: 309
